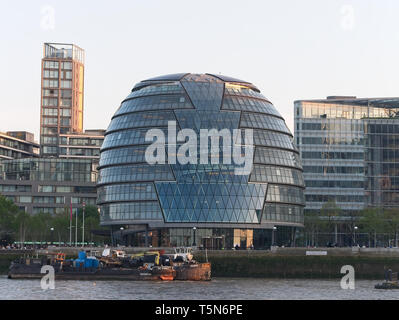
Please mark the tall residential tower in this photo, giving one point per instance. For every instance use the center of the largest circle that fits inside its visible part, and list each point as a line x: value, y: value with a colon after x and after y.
x: 61, y: 95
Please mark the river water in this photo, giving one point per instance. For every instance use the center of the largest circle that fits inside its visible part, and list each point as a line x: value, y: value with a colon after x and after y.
x: 217, y: 289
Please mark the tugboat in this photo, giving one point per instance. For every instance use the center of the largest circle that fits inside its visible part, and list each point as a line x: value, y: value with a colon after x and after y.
x: 187, y: 268
x: 391, y: 281
x: 115, y: 265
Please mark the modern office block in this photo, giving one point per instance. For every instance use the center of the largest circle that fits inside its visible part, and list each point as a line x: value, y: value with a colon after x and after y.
x: 349, y: 149
x: 48, y: 185
x: 17, y: 145
x: 84, y: 145
x: 382, y: 162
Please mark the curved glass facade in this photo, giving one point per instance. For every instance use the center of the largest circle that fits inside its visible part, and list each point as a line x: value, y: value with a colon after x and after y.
x: 174, y: 195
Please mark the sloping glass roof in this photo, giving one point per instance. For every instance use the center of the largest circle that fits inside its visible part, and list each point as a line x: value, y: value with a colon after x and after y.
x: 180, y: 76
x: 168, y: 77
x: 227, y: 78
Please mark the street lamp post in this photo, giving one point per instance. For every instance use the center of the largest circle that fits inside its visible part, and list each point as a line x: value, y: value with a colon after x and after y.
x: 354, y: 234
x: 83, y: 225
x: 76, y: 229
x: 194, y: 229
x: 274, y: 230
x: 122, y: 228
x: 52, y: 234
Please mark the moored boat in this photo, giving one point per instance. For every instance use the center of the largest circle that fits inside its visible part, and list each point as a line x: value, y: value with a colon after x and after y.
x: 387, y: 285
x: 391, y: 281
x: 113, y: 265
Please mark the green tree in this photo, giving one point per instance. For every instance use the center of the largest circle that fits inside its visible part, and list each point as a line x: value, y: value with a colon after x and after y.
x: 372, y: 222
x: 60, y: 222
x: 40, y: 226
x: 313, y: 224
x: 22, y: 224
x: 352, y: 220
x: 8, y: 213
x: 331, y: 214
x: 92, y: 223
x: 391, y: 217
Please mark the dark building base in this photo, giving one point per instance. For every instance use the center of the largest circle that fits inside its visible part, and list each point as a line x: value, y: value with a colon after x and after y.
x: 209, y: 238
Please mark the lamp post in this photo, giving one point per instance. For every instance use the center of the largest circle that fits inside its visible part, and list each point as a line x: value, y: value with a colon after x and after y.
x: 83, y: 225
x: 194, y: 229
x: 354, y: 234
x: 52, y: 233
x: 274, y: 230
x: 76, y: 229
x: 122, y: 228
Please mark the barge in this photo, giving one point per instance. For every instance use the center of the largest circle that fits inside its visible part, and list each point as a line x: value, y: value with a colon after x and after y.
x: 115, y: 265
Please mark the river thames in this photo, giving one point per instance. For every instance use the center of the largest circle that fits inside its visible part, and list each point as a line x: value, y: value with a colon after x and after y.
x: 217, y: 289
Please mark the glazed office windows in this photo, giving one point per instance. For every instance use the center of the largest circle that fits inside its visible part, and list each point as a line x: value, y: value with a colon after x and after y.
x: 127, y: 192
x: 141, y: 119
x: 149, y: 103
x: 260, y: 121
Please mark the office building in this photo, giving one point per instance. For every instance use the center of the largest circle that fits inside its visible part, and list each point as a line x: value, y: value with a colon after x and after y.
x: 349, y: 149
x: 84, y: 145
x: 203, y: 204
x: 18, y: 145
x: 48, y: 185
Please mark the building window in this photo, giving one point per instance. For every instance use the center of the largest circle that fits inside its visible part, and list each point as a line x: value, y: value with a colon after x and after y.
x: 66, y: 65
x: 65, y: 121
x: 50, y: 121
x: 25, y: 199
x: 51, y: 64
x: 65, y: 103
x: 50, y: 112
x: 50, y: 83
x: 66, y: 84
x: 46, y: 188
x: 51, y: 150
x: 50, y: 74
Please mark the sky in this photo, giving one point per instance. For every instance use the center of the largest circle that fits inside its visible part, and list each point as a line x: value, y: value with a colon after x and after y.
x: 290, y: 49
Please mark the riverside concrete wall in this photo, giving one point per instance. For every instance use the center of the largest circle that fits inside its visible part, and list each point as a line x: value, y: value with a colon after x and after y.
x: 276, y: 263
x: 294, y: 263
x: 277, y: 251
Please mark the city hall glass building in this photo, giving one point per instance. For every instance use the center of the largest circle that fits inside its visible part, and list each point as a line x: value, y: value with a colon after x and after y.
x: 201, y: 204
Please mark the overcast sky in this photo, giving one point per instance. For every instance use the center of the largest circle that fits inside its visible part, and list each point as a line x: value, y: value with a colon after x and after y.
x: 290, y: 49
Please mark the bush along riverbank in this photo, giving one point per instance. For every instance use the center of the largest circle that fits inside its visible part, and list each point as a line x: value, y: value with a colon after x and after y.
x: 7, y: 257
x: 299, y: 267
x: 5, y: 262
